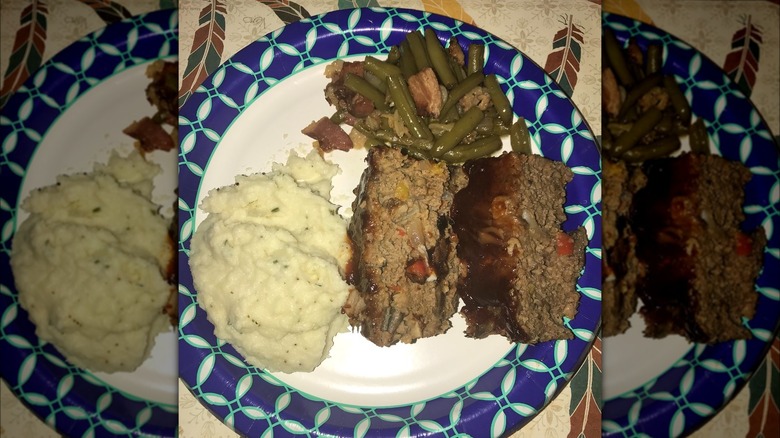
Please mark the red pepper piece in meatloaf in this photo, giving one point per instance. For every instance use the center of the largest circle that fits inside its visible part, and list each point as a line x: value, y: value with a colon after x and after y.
x: 700, y: 267
x: 404, y: 266
x: 518, y: 268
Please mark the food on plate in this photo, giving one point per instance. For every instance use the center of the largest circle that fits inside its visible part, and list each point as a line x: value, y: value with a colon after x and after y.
x: 423, y: 111
x: 268, y: 264
x: 620, y: 267
x: 427, y: 112
x: 429, y: 101
x: 699, y: 266
x: 91, y: 264
x: 162, y: 93
x: 404, y: 265
x: 681, y: 263
x: 519, y: 268
x: 646, y: 112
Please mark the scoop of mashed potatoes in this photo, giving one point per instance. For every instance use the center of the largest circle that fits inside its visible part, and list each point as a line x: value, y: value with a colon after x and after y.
x: 267, y: 263
x: 90, y: 263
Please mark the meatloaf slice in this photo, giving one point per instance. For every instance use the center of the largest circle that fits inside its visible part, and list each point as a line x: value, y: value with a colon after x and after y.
x: 404, y: 263
x: 518, y: 268
x: 700, y: 266
x: 620, y: 267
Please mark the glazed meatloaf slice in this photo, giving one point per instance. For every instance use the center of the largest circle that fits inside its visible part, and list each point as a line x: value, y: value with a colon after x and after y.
x: 404, y: 263
x: 620, y: 268
x: 700, y: 266
x: 518, y: 268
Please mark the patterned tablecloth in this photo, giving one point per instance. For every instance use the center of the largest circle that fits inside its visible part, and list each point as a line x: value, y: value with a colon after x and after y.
x: 529, y: 25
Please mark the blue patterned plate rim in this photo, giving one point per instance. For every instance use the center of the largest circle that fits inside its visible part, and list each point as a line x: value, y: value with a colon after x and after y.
x: 251, y: 401
x: 70, y: 399
x: 699, y: 384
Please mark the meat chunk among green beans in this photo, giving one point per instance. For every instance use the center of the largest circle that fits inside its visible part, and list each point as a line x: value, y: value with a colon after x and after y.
x: 329, y: 135
x: 426, y: 93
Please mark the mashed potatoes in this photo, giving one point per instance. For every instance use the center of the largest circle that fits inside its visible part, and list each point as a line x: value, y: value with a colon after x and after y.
x: 267, y: 263
x: 89, y: 264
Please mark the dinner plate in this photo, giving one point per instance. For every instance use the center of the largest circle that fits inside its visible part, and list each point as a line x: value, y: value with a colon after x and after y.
x: 248, y: 114
x: 65, y: 117
x: 669, y: 387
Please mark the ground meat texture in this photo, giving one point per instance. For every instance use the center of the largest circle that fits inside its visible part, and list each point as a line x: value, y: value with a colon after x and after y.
x: 700, y: 266
x: 404, y: 265
x: 518, y: 268
x: 620, y: 267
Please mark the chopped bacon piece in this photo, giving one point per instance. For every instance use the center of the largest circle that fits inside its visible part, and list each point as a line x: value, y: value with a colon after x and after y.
x: 424, y: 88
x: 329, y: 135
x: 360, y: 106
x: 150, y: 135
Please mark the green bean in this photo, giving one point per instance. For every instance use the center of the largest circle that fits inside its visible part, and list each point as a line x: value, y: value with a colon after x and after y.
x: 406, y: 61
x: 654, y: 58
x: 390, y: 136
x: 637, y: 92
x: 666, y: 125
x: 393, y: 55
x: 519, y: 137
x: 418, y: 50
x: 697, y: 137
x: 616, y: 58
x: 339, y: 116
x: 480, y: 148
x: 486, y: 126
x: 462, y: 89
x: 500, y: 101
x: 416, y: 153
x: 501, y: 129
x: 451, y: 116
x: 399, y: 93
x: 475, y: 59
x: 460, y: 130
x: 439, y: 59
x: 460, y: 74
x: 379, y: 84
x: 380, y: 69
x: 371, y: 139
x: 657, y: 149
x: 679, y: 102
x: 438, y: 128
x: 362, y: 87
x: 629, y: 139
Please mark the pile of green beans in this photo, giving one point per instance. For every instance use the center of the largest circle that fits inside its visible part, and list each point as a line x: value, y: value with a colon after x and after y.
x: 637, y: 134
x: 455, y: 136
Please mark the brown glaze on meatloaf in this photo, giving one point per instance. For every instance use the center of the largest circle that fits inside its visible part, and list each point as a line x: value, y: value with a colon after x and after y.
x: 620, y: 267
x: 404, y: 263
x: 700, y: 267
x: 518, y: 268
